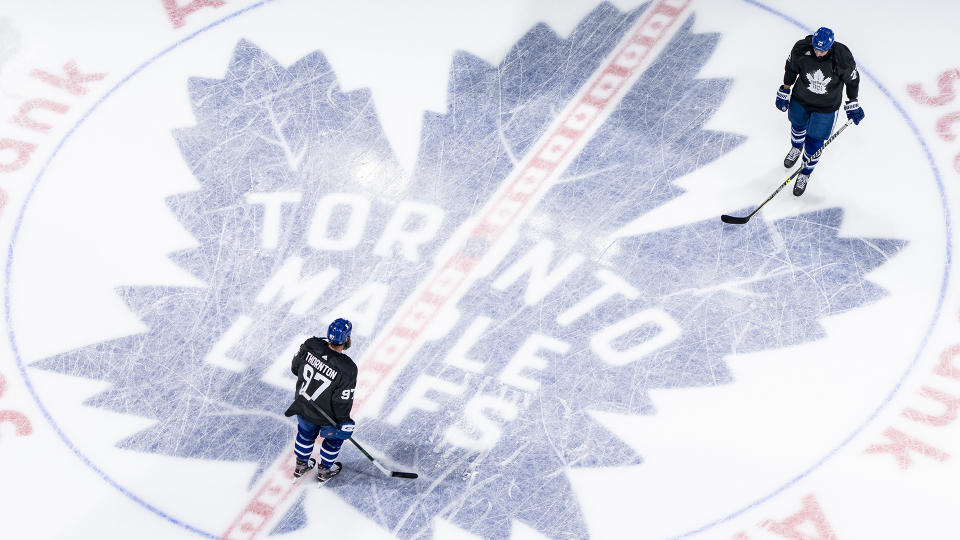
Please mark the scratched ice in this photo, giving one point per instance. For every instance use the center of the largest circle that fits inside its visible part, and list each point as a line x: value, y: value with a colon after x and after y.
x: 9, y: 41
x: 596, y: 325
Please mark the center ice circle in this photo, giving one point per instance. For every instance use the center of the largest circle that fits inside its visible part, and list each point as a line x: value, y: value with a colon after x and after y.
x: 161, y: 513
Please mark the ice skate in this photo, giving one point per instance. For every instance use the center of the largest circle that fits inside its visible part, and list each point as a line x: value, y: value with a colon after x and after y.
x: 303, y: 466
x: 792, y: 156
x: 800, y: 184
x: 324, y: 474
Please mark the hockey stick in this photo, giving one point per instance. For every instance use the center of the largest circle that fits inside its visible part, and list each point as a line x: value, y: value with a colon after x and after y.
x: 734, y: 220
x: 386, y: 471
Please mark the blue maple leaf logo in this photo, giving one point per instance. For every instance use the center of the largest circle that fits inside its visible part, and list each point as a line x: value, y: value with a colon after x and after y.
x: 297, y: 180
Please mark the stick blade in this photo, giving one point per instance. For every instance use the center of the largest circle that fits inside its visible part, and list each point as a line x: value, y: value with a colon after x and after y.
x: 734, y: 220
x: 396, y: 474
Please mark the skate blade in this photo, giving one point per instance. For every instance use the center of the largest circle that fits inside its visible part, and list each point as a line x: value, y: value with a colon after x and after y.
x: 321, y: 483
x: 313, y: 463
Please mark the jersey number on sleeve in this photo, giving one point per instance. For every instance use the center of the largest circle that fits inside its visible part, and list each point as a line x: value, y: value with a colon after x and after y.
x: 310, y: 375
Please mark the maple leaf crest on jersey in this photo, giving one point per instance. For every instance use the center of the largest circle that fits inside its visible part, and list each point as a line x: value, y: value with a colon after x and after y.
x: 818, y: 83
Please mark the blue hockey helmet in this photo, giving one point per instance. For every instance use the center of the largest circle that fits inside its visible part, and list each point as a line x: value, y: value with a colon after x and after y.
x: 822, y: 39
x: 339, y: 331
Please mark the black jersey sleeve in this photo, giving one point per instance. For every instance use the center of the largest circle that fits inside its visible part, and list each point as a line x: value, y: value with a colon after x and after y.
x: 298, y: 360
x: 341, y: 399
x: 847, y: 67
x: 790, y: 69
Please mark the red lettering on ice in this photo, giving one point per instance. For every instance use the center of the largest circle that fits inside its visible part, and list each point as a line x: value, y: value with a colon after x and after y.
x: 946, y: 368
x: 20, y: 149
x: 901, y: 445
x: 950, y: 404
x: 178, y: 13
x: 23, y: 117
x: 944, y: 126
x: 21, y: 424
x: 74, y: 81
x: 944, y: 86
x: 15, y: 154
x: 810, y: 513
x: 945, y: 95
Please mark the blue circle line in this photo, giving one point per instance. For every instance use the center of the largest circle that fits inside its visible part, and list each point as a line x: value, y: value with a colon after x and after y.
x: 16, y: 229
x: 948, y: 255
x: 791, y: 483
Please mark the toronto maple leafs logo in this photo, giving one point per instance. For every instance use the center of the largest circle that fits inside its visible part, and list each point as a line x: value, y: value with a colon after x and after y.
x: 303, y: 214
x: 818, y: 83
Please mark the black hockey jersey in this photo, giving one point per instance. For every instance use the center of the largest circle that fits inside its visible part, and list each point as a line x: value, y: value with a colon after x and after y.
x: 326, y: 380
x: 820, y: 80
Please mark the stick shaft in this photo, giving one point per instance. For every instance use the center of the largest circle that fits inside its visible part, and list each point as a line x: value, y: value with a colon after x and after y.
x: 363, y: 451
x: 794, y: 174
x: 355, y: 443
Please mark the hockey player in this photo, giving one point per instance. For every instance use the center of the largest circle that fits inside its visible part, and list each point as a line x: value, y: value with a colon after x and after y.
x: 824, y: 67
x: 326, y: 379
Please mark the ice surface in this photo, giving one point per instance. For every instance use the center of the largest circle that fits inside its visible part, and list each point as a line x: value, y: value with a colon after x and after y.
x: 303, y: 213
